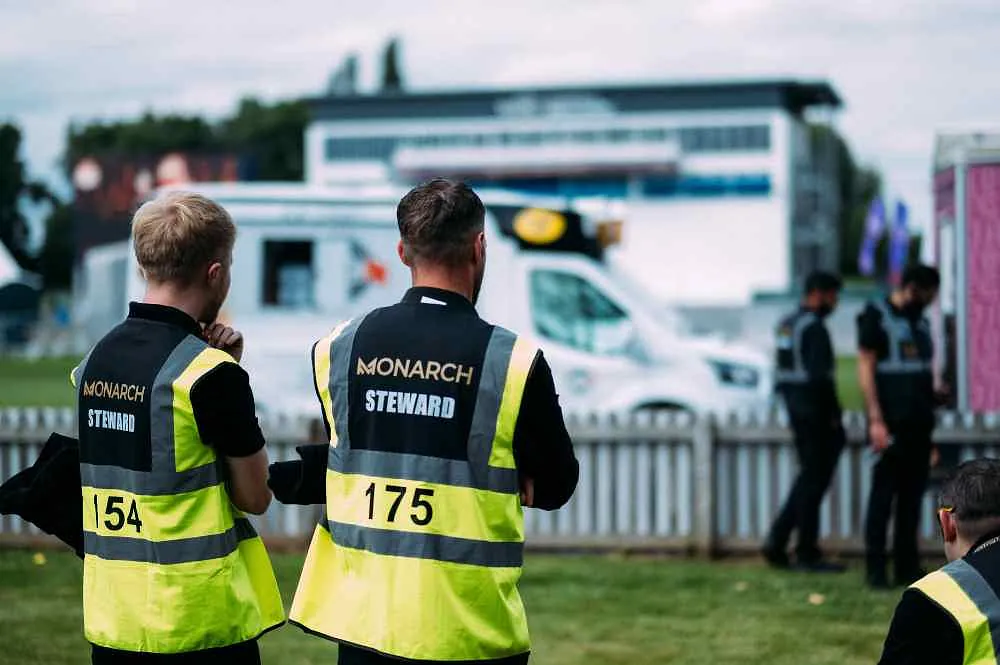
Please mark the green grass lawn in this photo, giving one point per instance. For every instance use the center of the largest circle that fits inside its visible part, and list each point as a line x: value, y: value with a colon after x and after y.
x: 847, y: 384
x: 46, y: 382
x: 42, y: 382
x: 582, y: 609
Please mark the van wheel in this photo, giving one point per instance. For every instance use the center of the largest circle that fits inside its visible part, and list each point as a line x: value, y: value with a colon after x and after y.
x: 659, y: 407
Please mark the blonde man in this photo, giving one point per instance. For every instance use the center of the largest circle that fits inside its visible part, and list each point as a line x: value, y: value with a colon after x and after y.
x: 172, y: 457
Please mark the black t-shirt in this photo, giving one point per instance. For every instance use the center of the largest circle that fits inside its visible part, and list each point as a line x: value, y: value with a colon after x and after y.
x: 221, y: 399
x: 871, y: 335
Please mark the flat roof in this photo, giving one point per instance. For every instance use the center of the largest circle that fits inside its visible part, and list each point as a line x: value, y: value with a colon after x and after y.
x: 791, y: 95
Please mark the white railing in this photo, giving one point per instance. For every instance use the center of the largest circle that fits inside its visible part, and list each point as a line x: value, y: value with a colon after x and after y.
x: 665, y: 482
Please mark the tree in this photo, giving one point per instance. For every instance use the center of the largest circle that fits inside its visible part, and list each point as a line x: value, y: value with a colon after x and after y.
x: 150, y: 134
x: 392, y: 77
x: 857, y: 187
x: 272, y: 137
x: 55, y: 262
x: 13, y: 187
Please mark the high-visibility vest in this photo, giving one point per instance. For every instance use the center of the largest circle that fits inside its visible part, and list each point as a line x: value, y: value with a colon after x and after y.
x: 170, y: 565
x: 910, y: 346
x: 960, y: 590
x: 416, y: 556
x: 790, y: 367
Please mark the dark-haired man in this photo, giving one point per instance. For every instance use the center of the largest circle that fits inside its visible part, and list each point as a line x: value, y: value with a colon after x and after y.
x: 805, y: 379
x: 895, y: 372
x: 950, y: 616
x: 441, y: 428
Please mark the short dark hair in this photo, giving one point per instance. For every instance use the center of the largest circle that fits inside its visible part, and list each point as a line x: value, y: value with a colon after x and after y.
x: 922, y: 276
x: 438, y: 221
x: 972, y: 493
x: 820, y: 280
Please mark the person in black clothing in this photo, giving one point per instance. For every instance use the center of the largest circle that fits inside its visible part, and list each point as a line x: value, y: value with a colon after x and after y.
x: 895, y: 372
x: 183, y: 243
x: 806, y: 382
x: 925, y: 628
x: 442, y: 241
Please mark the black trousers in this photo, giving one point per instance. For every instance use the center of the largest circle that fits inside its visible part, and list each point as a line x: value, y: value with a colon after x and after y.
x: 245, y: 653
x: 818, y: 443
x: 900, y: 475
x: 351, y: 655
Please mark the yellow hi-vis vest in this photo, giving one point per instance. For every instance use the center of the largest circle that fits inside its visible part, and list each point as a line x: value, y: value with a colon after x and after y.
x: 170, y: 565
x: 438, y: 582
x: 960, y: 590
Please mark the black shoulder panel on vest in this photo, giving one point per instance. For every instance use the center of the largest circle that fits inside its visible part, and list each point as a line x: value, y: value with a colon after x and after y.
x: 414, y: 379
x: 116, y: 392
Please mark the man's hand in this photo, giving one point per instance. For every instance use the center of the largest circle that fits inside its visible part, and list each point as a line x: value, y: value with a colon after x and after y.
x: 935, y: 457
x: 527, y: 492
x: 942, y: 394
x: 225, y: 338
x: 878, y: 436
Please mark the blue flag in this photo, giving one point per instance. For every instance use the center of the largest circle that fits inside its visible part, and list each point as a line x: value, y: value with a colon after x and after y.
x: 874, y: 228
x: 899, y: 243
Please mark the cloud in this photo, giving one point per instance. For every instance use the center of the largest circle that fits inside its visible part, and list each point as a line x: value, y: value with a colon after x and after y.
x: 904, y: 67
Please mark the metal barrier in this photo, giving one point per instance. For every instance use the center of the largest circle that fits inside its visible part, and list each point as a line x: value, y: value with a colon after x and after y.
x: 667, y: 481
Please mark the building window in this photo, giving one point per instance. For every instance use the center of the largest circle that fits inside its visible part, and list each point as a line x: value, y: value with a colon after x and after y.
x: 695, y: 186
x: 366, y: 148
x: 726, y: 139
x: 288, y: 274
x: 569, y: 310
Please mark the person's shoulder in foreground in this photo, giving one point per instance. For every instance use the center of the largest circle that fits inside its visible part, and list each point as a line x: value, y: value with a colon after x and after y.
x: 925, y: 628
x: 922, y: 633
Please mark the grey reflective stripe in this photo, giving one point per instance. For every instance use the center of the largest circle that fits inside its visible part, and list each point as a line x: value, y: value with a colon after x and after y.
x: 797, y: 373
x: 340, y: 372
x: 894, y: 363
x: 161, y: 406
x: 492, y: 382
x: 156, y: 483
x: 79, y: 370
x: 427, y: 546
x: 980, y: 593
x: 457, y: 473
x: 182, y: 550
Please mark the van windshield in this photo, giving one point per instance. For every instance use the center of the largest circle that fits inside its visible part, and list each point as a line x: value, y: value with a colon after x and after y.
x: 668, y: 317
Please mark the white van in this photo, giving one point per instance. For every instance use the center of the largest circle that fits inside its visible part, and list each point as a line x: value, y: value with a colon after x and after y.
x: 307, y: 257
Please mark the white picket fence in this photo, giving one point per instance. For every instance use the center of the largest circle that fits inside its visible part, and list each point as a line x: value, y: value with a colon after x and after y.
x: 669, y: 482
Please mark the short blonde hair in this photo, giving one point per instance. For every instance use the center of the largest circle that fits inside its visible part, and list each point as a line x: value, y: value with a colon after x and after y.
x: 179, y: 233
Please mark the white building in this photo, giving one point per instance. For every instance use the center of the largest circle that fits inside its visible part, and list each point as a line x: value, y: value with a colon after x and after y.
x: 725, y: 195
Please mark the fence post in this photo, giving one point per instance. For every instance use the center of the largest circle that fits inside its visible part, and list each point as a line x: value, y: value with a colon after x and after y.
x: 704, y: 485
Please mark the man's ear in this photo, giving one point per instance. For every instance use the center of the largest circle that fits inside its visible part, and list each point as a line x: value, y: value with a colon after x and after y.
x: 479, y: 253
x: 214, y: 271
x: 401, y: 250
x: 949, y: 526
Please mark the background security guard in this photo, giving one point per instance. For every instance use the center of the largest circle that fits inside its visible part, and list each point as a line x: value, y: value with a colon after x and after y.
x: 806, y: 381
x: 895, y: 371
x: 441, y: 427
x: 170, y: 454
x: 949, y: 617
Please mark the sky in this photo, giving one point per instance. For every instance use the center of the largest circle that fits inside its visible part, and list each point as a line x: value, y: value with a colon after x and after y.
x: 905, y: 68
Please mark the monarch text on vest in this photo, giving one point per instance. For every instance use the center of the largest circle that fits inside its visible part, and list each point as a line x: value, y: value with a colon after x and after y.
x: 416, y: 404
x: 112, y: 390
x: 429, y: 370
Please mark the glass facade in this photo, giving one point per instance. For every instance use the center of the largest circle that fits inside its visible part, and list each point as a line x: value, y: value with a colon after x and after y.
x: 692, y: 140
